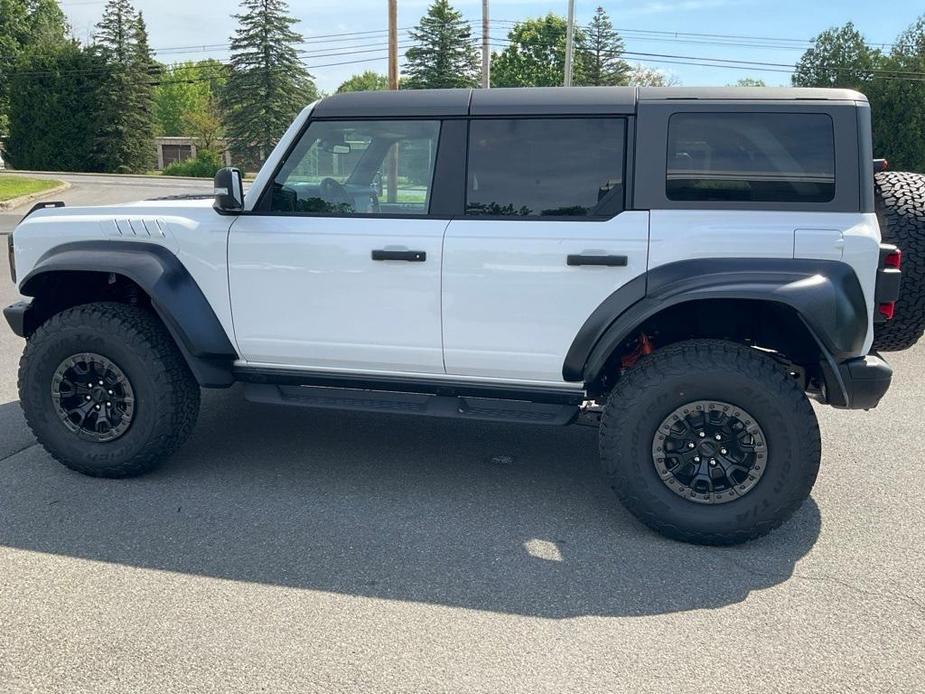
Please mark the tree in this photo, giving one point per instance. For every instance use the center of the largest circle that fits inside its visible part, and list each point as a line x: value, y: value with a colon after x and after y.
x: 644, y: 76
x: 535, y: 56
x: 839, y: 58
x: 749, y: 82
x: 603, y: 62
x: 369, y: 81
x: 125, y: 142
x: 54, y: 107
x: 897, y: 99
x: 26, y: 25
x: 184, y: 89
x: 444, y: 55
x: 267, y: 85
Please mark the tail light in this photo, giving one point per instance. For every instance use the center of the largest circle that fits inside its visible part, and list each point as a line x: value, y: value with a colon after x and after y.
x: 887, y: 309
x: 893, y: 259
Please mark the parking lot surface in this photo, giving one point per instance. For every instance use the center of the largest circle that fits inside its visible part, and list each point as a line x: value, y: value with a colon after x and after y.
x: 295, y: 550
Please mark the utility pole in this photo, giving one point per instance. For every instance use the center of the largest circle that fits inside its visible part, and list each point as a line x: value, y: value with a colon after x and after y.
x: 570, y: 43
x: 486, y: 54
x: 392, y: 163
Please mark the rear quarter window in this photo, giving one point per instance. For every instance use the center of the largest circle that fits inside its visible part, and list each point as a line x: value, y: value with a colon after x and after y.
x: 751, y: 157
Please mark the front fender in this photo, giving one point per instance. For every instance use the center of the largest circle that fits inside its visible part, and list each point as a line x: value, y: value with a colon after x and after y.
x: 174, y: 294
x: 825, y: 293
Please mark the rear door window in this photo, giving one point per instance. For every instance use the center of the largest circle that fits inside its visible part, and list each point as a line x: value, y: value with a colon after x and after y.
x: 546, y: 167
x: 751, y: 157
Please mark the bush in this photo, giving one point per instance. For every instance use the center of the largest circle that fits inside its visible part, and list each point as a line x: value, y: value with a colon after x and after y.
x: 205, y: 165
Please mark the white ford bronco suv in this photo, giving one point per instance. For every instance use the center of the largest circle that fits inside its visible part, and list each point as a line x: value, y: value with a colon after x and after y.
x: 692, y: 265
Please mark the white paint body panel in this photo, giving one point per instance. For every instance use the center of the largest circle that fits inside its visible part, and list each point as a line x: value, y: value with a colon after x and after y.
x: 851, y: 237
x: 306, y: 293
x: 511, y: 305
x: 191, y: 229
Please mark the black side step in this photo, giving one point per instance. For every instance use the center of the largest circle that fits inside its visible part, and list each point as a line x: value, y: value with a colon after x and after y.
x: 462, y: 407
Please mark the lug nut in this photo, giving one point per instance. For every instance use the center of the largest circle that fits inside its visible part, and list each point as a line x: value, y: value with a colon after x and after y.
x: 97, y: 407
x: 713, y: 462
x: 89, y: 398
x: 718, y: 437
x: 110, y: 392
x: 101, y: 383
x: 690, y: 444
x: 723, y: 451
x: 696, y: 458
x: 701, y: 434
x: 108, y: 404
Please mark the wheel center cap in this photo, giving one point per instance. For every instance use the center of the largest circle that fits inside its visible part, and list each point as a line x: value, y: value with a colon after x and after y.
x: 98, y: 394
x: 708, y: 448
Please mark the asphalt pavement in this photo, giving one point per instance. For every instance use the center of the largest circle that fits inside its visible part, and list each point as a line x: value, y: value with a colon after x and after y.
x: 293, y: 550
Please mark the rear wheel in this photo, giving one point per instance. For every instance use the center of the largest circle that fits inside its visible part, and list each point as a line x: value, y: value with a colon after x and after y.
x: 105, y: 390
x: 900, y: 201
x: 710, y: 442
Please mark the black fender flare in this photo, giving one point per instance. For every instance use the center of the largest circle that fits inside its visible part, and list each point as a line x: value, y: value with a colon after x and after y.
x: 174, y: 294
x: 826, y: 294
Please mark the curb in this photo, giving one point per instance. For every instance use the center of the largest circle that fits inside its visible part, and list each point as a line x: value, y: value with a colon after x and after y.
x: 12, y: 204
x: 142, y: 177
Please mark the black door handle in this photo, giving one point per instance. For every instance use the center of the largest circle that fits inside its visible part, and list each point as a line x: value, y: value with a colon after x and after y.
x: 608, y: 260
x: 408, y: 256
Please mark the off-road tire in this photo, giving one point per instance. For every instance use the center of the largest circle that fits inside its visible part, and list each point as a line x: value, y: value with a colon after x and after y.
x: 166, y: 393
x: 900, y: 199
x: 699, y: 370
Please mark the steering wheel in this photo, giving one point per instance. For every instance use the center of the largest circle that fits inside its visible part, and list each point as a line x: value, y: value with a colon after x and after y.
x: 333, y: 192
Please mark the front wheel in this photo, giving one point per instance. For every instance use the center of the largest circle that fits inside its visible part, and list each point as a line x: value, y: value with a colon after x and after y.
x: 710, y: 442
x: 105, y: 390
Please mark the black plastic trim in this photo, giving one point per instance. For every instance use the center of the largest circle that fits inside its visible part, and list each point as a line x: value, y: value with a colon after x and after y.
x: 46, y: 205
x: 825, y: 293
x: 409, y: 384
x: 173, y: 292
x: 16, y: 316
x: 866, y: 380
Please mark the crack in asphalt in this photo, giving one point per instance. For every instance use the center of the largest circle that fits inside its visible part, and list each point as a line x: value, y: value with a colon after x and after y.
x: 24, y: 448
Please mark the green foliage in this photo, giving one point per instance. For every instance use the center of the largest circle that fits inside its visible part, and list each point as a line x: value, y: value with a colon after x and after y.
x: 25, y: 25
x: 603, y: 62
x: 444, y: 56
x: 16, y: 186
x: 369, y: 81
x: 839, y: 58
x: 749, y: 82
x: 205, y: 164
x: 186, y: 89
x: 267, y: 85
x: 54, y: 109
x: 898, y: 102
x: 535, y: 56
x: 125, y: 142
x: 644, y: 76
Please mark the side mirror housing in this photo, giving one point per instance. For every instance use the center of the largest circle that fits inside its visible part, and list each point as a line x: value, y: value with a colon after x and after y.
x: 229, y: 191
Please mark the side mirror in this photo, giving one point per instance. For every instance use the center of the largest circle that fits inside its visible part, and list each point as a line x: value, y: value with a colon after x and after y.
x: 229, y: 191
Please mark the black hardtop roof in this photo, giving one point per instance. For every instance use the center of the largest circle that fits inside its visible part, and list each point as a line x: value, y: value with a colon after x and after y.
x: 435, y: 103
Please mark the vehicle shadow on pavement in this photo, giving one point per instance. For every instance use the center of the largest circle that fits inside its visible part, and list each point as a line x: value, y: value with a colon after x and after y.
x: 506, y: 518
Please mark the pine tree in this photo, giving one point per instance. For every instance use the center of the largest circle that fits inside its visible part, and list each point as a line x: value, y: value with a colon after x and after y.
x: 126, y: 133
x: 267, y: 85
x: 444, y: 56
x: 602, y: 63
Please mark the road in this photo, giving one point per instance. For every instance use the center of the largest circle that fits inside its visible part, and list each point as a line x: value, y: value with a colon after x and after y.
x: 291, y: 550
x: 106, y: 190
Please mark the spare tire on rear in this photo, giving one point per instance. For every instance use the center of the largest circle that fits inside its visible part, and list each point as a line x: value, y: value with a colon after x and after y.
x: 900, y: 200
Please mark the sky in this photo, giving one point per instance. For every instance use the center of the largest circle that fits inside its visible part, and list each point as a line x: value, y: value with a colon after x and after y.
x: 665, y: 34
